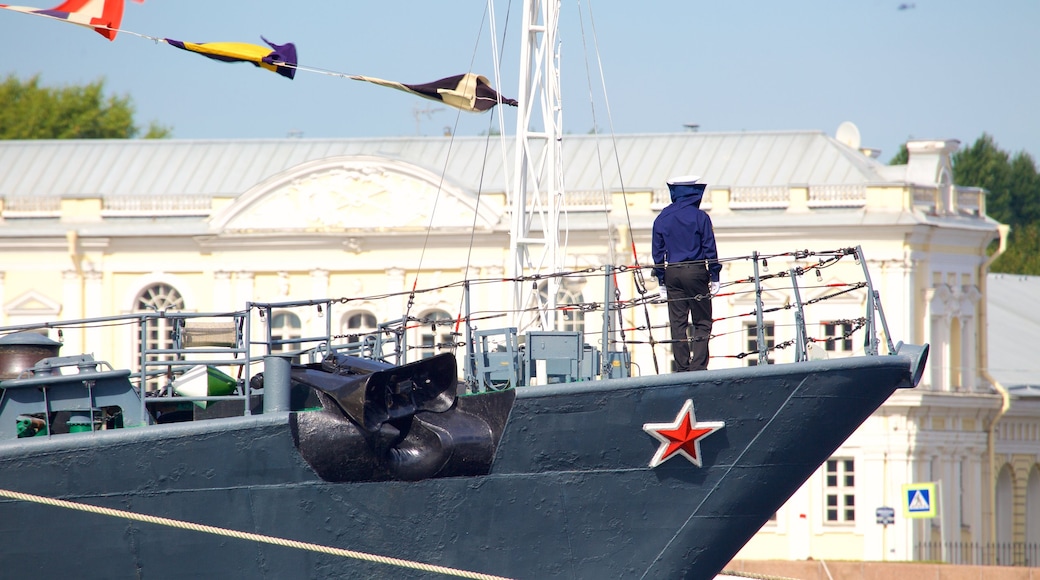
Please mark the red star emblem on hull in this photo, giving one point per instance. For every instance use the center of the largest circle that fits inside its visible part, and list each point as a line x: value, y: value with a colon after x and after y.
x: 682, y: 436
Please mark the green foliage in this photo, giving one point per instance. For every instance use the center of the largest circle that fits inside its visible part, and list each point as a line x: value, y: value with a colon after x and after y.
x: 29, y: 111
x: 1011, y: 182
x: 902, y: 157
x: 1023, y: 252
x: 1013, y: 197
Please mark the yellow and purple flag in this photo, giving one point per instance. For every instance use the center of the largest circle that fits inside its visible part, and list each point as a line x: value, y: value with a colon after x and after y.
x: 279, y: 58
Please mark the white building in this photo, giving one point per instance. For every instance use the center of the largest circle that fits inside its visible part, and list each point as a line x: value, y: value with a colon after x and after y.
x: 93, y: 228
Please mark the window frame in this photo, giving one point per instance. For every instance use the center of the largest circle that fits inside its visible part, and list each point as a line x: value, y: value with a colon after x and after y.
x: 834, y: 332
x: 157, y: 297
x: 839, y: 491
x: 751, y: 341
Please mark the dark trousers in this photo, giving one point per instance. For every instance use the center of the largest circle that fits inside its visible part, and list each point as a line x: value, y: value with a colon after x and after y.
x: 684, y: 283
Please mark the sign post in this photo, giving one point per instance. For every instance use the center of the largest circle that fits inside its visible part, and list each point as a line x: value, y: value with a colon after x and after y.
x: 921, y: 501
x: 886, y: 516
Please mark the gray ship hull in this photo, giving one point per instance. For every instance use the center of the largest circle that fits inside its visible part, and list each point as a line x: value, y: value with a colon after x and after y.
x: 570, y: 492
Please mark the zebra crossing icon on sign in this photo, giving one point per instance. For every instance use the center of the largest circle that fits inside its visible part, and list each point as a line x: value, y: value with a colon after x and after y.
x: 920, y: 500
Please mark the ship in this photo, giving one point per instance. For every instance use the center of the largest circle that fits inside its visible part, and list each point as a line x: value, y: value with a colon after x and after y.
x: 541, y: 457
x: 522, y: 450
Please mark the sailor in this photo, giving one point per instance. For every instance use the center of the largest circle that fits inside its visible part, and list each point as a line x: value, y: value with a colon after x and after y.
x: 687, y: 269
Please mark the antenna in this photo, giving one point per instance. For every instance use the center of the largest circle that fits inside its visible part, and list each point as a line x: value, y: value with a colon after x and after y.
x: 418, y: 113
x: 848, y: 134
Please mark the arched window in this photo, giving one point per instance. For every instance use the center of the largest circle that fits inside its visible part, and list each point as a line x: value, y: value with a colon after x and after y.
x: 285, y: 326
x: 1033, y: 509
x: 568, y: 301
x: 158, y: 333
x: 359, y: 322
x: 1005, y: 514
x: 434, y: 333
x: 360, y: 328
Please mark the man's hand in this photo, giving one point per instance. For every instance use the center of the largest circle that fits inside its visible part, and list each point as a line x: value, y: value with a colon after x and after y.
x: 664, y: 293
x: 713, y: 288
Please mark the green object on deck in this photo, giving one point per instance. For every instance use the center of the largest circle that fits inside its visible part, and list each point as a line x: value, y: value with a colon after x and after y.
x: 204, y: 381
x: 27, y: 426
x: 79, y: 423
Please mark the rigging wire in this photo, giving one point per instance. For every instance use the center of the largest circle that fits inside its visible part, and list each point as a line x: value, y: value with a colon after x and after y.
x: 780, y: 282
x: 489, y: 15
x: 440, y: 187
x: 639, y: 281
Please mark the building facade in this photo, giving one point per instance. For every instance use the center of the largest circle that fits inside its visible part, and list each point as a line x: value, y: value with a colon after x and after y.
x: 91, y: 229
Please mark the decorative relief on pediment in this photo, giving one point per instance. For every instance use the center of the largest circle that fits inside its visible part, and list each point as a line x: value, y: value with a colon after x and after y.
x: 345, y: 197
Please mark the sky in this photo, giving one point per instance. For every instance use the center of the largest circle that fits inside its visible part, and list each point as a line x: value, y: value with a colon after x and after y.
x: 923, y: 69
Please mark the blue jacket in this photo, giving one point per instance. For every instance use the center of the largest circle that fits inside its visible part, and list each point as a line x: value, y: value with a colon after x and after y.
x: 683, y: 232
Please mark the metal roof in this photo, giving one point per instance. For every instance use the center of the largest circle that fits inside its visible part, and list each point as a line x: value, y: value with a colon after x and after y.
x: 1014, y: 329
x: 71, y: 168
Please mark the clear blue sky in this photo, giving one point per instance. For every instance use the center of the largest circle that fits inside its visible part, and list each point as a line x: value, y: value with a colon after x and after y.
x: 941, y: 69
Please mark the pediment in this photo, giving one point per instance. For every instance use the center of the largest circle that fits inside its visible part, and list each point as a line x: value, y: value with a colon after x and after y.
x: 32, y: 303
x: 354, y: 194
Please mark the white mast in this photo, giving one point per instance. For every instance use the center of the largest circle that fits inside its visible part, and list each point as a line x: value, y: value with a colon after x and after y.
x: 538, y: 189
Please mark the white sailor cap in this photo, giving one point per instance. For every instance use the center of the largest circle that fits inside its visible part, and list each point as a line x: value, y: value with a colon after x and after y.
x: 684, y: 180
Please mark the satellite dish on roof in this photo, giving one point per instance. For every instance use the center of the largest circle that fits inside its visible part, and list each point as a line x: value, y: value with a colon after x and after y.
x: 848, y: 134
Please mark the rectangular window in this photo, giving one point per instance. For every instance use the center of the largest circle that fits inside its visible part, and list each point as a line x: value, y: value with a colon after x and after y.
x: 840, y: 490
x: 751, y: 332
x: 838, y: 336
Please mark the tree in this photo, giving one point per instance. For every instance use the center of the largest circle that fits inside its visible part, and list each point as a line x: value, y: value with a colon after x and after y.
x: 1013, y: 197
x: 1012, y: 187
x: 29, y: 111
x: 1023, y: 252
x: 902, y: 157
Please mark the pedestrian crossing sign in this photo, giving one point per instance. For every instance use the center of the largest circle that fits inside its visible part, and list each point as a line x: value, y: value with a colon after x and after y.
x: 920, y: 500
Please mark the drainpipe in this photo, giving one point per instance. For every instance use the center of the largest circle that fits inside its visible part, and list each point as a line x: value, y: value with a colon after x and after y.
x: 991, y: 435
x: 72, y: 241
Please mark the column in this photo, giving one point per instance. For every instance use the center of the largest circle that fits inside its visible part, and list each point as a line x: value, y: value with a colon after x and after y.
x: 92, y: 303
x: 72, y: 309
x: 948, y: 511
x: 797, y: 513
x: 244, y: 293
x: 243, y: 287
x: 320, y: 289
x: 395, y: 283
x: 222, y: 292
x: 970, y: 337
x: 936, y: 299
x: 871, y: 492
